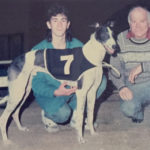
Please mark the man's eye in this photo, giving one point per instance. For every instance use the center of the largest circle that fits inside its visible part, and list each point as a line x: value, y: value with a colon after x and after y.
x: 64, y: 20
x: 143, y: 21
x: 54, y: 19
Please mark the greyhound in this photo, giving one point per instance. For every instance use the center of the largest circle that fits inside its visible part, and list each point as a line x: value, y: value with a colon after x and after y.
x: 24, y: 67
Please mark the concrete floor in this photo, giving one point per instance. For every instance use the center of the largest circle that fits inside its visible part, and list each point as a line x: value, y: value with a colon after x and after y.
x: 115, y: 132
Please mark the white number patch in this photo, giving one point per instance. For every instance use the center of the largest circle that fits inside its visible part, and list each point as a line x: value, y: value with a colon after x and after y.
x: 68, y: 59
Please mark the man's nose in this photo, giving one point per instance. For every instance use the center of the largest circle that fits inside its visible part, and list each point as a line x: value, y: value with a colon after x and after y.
x: 137, y: 25
x: 59, y: 24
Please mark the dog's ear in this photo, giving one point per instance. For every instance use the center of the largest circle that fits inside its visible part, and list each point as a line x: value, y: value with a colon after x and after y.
x: 110, y: 23
x: 95, y: 25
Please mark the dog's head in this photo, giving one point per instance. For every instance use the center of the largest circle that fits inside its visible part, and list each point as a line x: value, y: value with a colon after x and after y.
x: 104, y: 35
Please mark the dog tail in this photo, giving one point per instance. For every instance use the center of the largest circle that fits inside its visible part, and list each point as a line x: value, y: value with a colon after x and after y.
x: 4, y: 100
x: 112, y: 67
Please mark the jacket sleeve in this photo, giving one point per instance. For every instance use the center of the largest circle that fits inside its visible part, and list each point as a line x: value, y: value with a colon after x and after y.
x: 44, y: 85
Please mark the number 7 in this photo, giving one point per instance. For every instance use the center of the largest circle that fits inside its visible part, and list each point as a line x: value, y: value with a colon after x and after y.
x: 68, y: 59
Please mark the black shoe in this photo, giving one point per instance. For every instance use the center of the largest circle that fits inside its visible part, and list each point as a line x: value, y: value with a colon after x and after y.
x: 137, y: 120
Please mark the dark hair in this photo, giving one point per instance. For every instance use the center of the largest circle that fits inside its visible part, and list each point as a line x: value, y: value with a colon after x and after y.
x: 57, y: 9
x: 54, y: 10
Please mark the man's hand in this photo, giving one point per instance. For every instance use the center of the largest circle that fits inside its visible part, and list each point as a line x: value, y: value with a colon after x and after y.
x: 126, y: 94
x: 134, y: 73
x: 63, y: 91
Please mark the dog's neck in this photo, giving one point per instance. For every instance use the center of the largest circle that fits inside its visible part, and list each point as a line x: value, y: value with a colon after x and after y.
x: 94, y: 51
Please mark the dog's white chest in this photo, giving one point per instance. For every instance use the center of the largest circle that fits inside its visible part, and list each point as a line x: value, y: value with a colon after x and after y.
x: 94, y: 51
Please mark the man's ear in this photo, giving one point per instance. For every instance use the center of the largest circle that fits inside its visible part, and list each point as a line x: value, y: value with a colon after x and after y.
x: 48, y: 24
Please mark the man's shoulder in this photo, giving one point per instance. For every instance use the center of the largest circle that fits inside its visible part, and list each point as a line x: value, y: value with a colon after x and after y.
x: 123, y: 34
x: 42, y: 45
x: 75, y: 43
x: 76, y: 40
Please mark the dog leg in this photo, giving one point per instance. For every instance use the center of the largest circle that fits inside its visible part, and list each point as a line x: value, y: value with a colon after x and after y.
x: 90, y: 110
x: 87, y: 82
x: 81, y: 98
x: 14, y: 100
x: 3, y: 125
x: 91, y: 97
x: 16, y: 117
x: 4, y: 119
x: 16, y: 113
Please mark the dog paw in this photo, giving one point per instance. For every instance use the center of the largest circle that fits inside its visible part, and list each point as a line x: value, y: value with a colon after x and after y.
x: 23, y: 129
x: 7, y: 142
x: 94, y: 133
x: 81, y: 140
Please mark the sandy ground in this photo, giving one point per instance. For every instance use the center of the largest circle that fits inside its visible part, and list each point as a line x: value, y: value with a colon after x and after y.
x: 115, y: 132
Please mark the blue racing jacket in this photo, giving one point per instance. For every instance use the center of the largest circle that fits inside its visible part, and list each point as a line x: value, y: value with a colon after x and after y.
x: 44, y: 85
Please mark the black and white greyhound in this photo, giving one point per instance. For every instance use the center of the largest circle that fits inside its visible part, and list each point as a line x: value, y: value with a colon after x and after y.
x: 71, y: 69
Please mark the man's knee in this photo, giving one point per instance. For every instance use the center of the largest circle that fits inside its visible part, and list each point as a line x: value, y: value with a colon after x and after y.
x: 63, y: 114
x: 128, y: 108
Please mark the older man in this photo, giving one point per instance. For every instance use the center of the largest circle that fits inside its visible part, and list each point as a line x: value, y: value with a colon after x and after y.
x: 134, y: 83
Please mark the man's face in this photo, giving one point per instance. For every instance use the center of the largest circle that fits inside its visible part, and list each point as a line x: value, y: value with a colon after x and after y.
x: 139, y: 23
x: 58, y: 24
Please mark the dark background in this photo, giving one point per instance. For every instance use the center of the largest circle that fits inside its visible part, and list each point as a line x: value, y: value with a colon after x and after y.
x: 23, y: 22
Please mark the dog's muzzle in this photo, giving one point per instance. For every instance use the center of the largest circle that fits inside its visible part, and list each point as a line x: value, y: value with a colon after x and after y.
x: 116, y: 50
x: 110, y: 50
x: 114, y: 47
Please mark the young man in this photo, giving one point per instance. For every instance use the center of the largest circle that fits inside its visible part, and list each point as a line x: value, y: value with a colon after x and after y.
x: 134, y: 83
x: 57, y: 100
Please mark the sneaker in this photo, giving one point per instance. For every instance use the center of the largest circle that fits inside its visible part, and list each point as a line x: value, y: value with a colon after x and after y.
x: 137, y: 120
x: 73, y: 123
x: 50, y: 125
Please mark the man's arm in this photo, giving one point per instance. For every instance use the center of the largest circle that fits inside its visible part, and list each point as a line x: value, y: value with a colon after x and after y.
x: 45, y: 85
x: 124, y: 92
